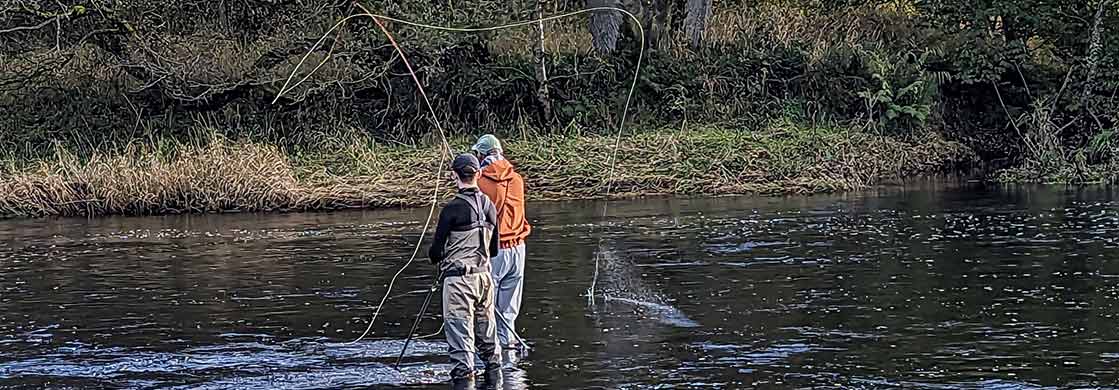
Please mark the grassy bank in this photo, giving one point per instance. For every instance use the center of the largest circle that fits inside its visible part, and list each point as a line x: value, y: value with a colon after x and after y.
x: 1077, y: 169
x: 219, y: 175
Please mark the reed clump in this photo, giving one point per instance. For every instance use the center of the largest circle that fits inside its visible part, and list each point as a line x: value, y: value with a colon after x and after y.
x: 216, y: 177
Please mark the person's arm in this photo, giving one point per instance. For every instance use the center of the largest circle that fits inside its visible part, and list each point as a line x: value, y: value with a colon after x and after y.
x: 518, y: 184
x: 493, y: 190
x: 500, y: 194
x: 491, y: 214
x: 442, y: 230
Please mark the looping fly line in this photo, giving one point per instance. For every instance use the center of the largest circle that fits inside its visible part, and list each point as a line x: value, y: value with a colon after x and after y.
x: 446, y: 152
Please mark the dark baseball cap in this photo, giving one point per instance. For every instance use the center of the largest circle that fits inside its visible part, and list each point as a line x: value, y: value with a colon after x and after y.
x: 465, y: 165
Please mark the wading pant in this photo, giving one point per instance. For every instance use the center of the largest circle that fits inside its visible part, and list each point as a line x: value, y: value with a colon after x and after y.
x: 508, y: 269
x: 469, y: 323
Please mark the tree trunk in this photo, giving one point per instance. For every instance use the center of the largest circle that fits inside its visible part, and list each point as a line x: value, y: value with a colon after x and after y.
x: 695, y: 23
x: 637, y: 8
x: 605, y: 26
x: 541, y: 70
x: 1095, y: 48
x: 656, y: 24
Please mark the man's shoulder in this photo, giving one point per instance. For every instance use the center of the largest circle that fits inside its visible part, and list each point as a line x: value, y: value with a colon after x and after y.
x: 456, y: 203
x: 487, y: 203
x: 468, y: 200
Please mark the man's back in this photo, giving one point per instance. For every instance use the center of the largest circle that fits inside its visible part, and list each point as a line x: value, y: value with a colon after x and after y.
x: 465, y: 237
x: 506, y: 188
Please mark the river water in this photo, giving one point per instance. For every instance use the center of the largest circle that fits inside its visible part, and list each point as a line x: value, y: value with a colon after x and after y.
x: 922, y: 286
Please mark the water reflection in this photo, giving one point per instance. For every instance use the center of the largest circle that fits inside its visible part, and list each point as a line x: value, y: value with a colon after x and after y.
x: 920, y: 287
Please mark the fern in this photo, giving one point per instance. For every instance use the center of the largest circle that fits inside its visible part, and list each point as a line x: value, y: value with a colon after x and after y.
x: 1102, y: 145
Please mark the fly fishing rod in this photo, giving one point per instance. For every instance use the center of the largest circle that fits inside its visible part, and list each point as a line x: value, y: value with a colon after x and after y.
x: 289, y: 85
x: 416, y: 323
x: 523, y: 348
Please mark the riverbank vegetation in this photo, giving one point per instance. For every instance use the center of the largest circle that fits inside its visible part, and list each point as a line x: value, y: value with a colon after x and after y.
x: 221, y: 175
x: 157, y: 106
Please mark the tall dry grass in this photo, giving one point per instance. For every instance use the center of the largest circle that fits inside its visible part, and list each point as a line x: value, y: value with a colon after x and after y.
x: 219, y: 176
x: 708, y: 161
x: 774, y: 25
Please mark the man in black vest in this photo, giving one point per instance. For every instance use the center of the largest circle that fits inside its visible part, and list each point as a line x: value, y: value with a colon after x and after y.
x: 465, y: 240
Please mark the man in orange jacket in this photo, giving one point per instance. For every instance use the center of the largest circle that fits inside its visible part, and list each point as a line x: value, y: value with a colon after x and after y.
x: 506, y: 189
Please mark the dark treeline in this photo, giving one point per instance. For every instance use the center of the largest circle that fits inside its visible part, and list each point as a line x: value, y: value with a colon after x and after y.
x: 1031, y: 81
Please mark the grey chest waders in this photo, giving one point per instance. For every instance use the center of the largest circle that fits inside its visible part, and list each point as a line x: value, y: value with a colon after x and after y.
x: 480, y: 221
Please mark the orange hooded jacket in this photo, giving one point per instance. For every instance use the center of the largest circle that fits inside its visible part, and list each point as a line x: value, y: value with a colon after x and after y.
x: 506, y: 188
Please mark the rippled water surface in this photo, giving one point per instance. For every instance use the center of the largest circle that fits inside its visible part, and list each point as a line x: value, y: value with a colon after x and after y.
x: 923, y: 287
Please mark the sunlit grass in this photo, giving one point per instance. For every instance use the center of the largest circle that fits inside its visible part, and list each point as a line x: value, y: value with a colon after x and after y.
x: 216, y: 175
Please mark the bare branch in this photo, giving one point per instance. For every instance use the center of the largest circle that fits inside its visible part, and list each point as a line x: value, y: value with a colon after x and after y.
x: 1013, y: 122
x: 1024, y: 83
x: 27, y: 28
x: 1061, y: 91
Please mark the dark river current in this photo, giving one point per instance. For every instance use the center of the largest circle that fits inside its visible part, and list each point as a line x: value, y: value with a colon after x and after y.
x: 922, y: 286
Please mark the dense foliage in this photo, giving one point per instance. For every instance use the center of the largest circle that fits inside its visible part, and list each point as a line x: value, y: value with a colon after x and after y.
x: 1033, y: 81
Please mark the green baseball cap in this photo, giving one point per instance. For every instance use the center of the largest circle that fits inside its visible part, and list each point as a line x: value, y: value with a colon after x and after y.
x: 486, y: 144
